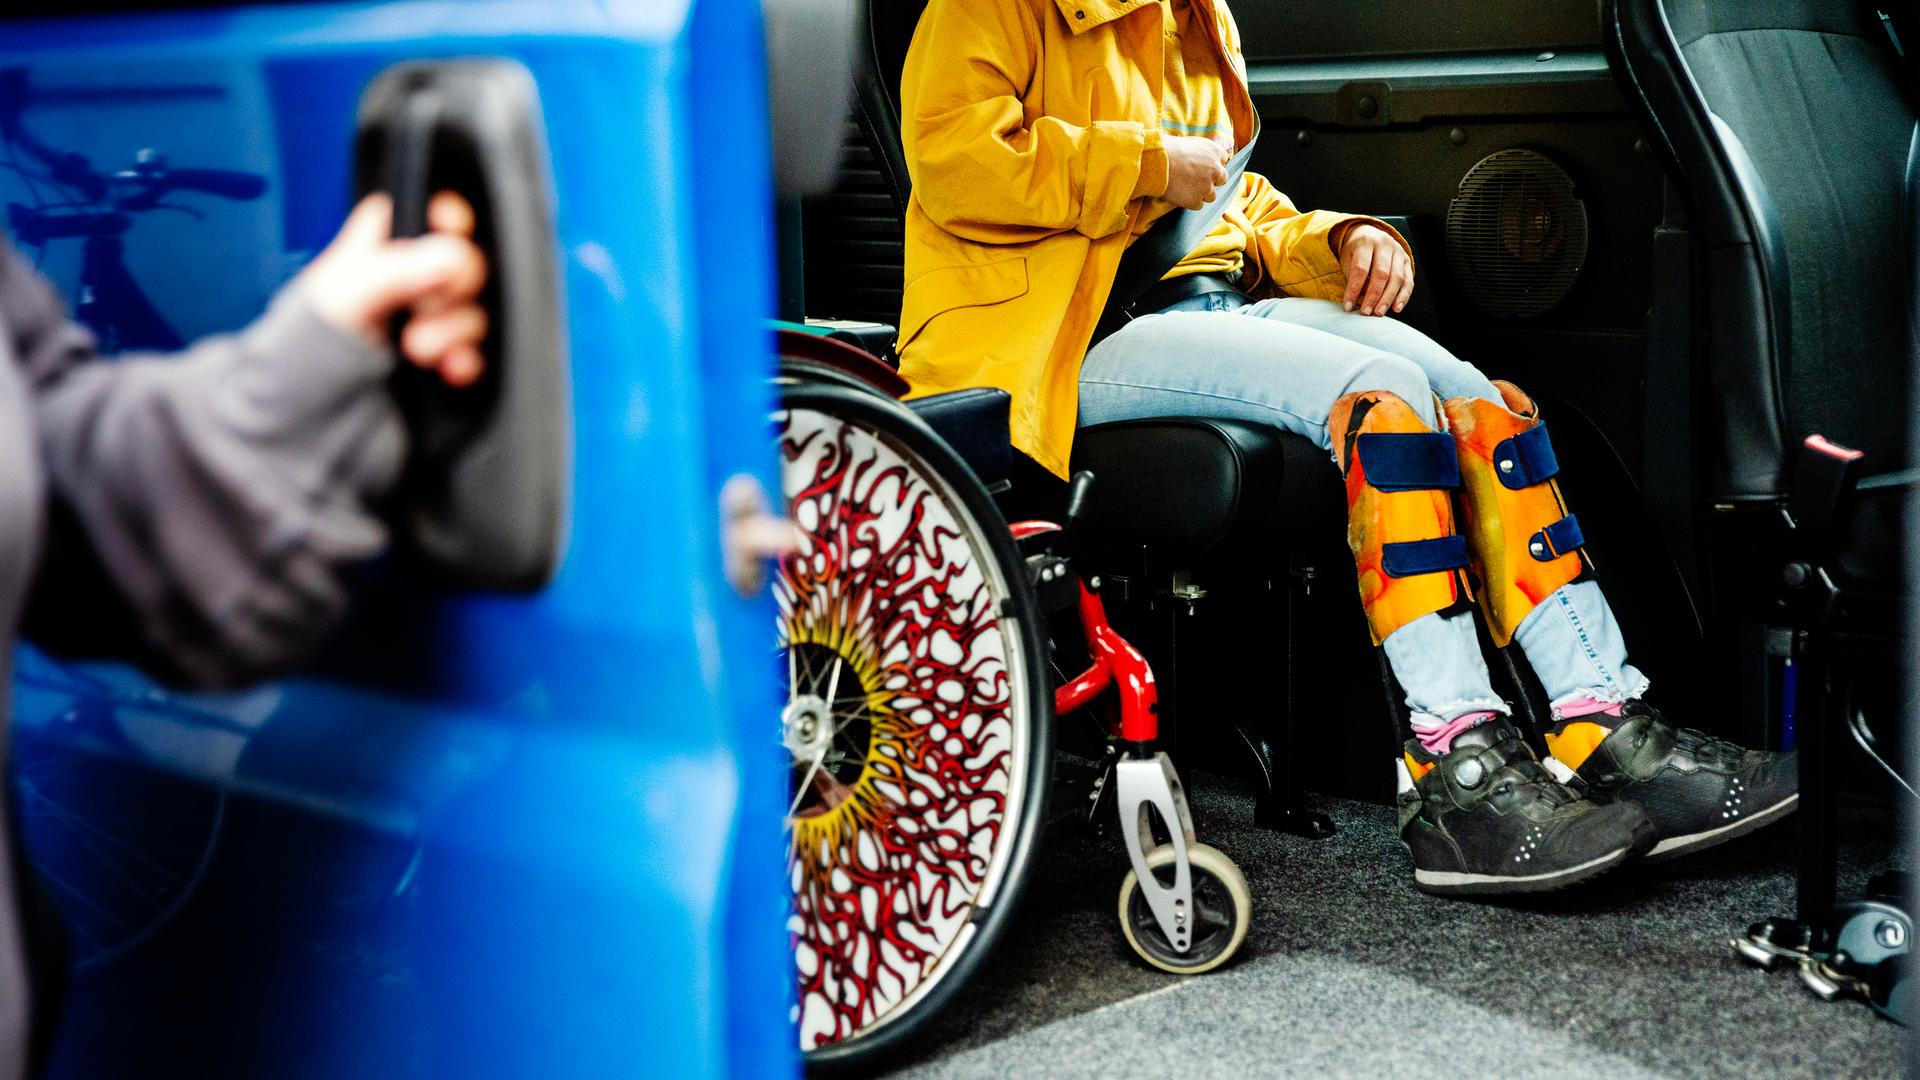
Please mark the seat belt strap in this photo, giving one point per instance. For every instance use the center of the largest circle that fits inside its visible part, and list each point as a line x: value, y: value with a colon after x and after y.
x: 1161, y: 247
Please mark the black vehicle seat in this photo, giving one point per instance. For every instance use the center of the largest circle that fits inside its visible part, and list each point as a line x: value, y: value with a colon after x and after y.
x: 1786, y: 125
x: 1788, y: 133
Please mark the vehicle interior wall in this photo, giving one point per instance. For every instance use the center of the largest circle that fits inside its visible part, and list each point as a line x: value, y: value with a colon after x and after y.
x: 1395, y: 109
x: 1386, y: 109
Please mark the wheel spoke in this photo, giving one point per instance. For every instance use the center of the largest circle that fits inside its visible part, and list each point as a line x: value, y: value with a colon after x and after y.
x: 1213, y: 916
x: 806, y: 785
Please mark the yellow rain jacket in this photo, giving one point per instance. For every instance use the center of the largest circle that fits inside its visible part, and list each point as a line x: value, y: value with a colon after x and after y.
x: 1027, y: 124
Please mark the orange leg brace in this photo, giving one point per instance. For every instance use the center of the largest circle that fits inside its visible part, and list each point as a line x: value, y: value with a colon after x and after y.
x: 1400, y: 475
x: 1525, y: 543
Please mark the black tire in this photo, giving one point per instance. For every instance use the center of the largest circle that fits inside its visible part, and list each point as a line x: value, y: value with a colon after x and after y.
x: 1006, y: 694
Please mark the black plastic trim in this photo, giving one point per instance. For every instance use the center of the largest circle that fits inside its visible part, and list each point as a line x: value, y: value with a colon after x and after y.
x: 484, y: 499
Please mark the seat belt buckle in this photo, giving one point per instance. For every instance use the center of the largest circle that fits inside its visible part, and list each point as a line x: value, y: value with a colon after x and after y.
x: 1824, y: 474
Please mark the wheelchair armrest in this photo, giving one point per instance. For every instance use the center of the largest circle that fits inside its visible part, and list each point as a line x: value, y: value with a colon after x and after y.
x: 975, y: 423
x: 871, y: 337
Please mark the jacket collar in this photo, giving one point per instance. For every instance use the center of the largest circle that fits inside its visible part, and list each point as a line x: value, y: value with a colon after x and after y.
x: 1084, y: 15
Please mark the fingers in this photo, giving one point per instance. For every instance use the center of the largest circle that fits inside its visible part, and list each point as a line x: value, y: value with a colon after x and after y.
x: 1377, y: 282
x: 1379, y: 276
x: 370, y: 223
x: 1359, y: 268
x: 410, y: 271
x: 427, y: 338
x: 449, y: 213
x: 461, y: 367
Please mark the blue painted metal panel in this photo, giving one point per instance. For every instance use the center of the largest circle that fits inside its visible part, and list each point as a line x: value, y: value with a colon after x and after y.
x: 486, y: 835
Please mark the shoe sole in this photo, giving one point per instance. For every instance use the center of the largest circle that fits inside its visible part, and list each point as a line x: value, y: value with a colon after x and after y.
x: 1676, y: 846
x: 1460, y: 883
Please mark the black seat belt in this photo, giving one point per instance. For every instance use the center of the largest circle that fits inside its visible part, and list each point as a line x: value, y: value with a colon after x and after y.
x: 1161, y: 247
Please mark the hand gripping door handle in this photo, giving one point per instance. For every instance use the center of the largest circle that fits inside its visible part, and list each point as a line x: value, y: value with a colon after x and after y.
x: 484, y: 497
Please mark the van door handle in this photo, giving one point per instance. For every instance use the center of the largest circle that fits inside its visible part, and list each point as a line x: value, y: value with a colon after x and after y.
x: 483, y: 501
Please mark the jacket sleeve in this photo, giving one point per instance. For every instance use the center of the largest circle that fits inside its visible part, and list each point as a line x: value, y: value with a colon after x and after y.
x: 1298, y: 253
x: 985, y: 171
x: 222, y: 491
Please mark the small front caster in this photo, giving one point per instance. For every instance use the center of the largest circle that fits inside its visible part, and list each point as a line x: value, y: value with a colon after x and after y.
x: 1221, y: 912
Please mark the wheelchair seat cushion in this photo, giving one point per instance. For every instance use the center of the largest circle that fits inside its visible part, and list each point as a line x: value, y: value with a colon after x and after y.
x: 1184, y: 485
x: 973, y: 422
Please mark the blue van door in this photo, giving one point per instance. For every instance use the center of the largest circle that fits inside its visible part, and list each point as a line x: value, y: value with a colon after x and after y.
x: 492, y: 831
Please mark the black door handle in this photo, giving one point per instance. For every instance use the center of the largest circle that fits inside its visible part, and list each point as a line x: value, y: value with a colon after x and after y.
x: 483, y: 501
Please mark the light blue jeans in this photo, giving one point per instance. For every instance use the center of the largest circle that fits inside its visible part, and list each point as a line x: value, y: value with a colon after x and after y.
x: 1285, y: 362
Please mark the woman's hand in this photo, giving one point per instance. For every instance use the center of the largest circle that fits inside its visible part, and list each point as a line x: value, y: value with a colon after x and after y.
x: 365, y: 277
x: 1379, y: 272
x: 1195, y: 167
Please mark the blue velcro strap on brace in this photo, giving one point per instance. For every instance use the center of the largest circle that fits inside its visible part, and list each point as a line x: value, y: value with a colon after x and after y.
x: 1556, y: 539
x: 1526, y: 459
x: 1410, y: 557
x: 1410, y: 461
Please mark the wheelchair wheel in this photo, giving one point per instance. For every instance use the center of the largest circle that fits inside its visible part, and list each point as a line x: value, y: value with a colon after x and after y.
x: 1223, y: 910
x: 918, y: 718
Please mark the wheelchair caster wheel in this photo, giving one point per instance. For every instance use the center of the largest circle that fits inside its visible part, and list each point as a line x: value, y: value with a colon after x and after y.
x: 1223, y: 909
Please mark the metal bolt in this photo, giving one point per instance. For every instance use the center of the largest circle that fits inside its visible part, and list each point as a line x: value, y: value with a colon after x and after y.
x: 1506, y: 465
x: 1537, y: 548
x: 1890, y: 934
x: 1094, y: 583
x: 1458, y: 136
x: 1304, y: 138
x: 1543, y: 57
x: 1368, y: 107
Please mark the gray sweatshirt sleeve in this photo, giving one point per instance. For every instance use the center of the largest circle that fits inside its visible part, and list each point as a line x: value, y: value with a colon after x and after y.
x: 224, y: 489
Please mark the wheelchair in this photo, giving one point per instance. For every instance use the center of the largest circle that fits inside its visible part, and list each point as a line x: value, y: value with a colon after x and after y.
x: 922, y: 695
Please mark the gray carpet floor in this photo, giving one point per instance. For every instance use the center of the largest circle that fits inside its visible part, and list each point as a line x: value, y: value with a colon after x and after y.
x: 1349, y: 971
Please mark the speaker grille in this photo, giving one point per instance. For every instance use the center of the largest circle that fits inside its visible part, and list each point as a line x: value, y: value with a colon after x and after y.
x: 1517, y: 234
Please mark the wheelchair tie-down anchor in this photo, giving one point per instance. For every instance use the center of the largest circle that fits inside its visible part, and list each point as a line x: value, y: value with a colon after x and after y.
x: 1853, y: 948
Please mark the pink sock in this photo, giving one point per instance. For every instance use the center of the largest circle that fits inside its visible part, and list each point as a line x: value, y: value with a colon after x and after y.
x: 1439, y: 740
x: 1586, y: 706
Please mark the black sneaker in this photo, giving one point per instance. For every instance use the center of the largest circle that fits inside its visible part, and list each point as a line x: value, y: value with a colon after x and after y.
x: 1698, y: 791
x: 1485, y: 818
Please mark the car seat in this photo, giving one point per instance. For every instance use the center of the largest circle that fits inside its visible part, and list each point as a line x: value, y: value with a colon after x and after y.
x: 1785, y: 127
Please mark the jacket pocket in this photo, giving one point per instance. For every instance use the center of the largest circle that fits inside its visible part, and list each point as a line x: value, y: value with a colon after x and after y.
x: 937, y: 292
